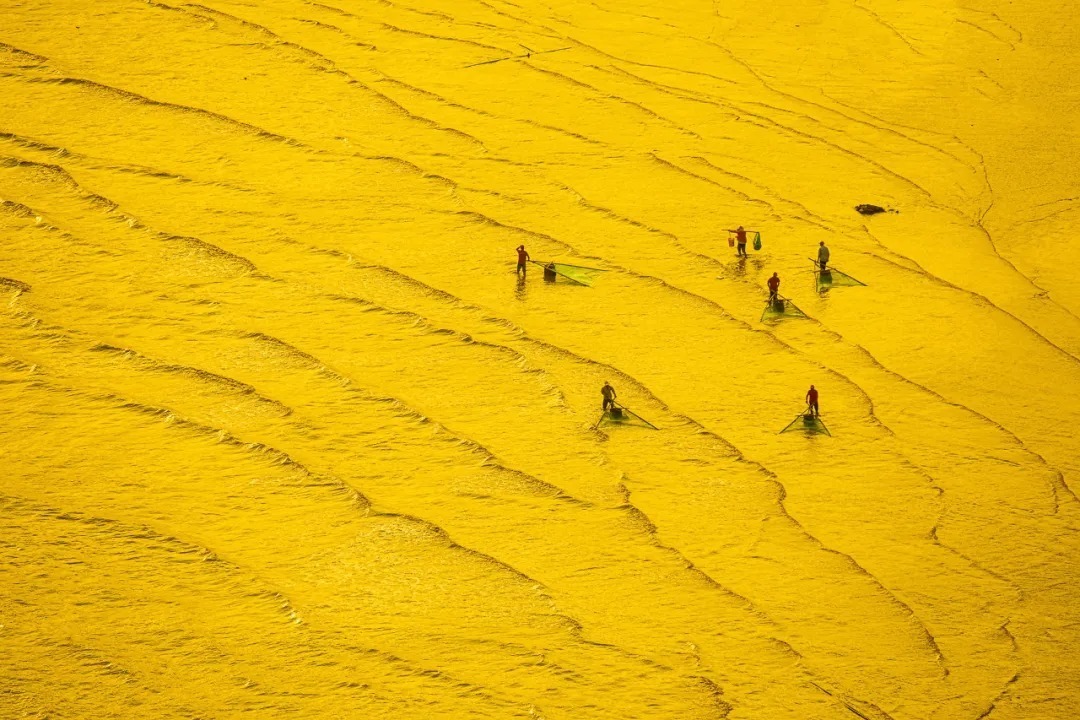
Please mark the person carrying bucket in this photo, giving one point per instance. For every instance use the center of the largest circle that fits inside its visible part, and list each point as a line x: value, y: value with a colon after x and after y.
x: 740, y: 240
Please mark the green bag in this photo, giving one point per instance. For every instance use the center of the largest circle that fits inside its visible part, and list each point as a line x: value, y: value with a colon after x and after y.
x: 757, y: 241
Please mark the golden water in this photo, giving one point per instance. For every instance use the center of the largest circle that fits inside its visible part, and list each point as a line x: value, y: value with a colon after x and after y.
x: 284, y: 436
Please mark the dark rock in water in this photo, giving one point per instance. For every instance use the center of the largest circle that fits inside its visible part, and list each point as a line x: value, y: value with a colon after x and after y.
x: 869, y: 209
x: 13, y: 283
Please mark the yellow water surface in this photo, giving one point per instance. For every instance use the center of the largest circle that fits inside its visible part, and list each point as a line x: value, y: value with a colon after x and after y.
x: 284, y: 435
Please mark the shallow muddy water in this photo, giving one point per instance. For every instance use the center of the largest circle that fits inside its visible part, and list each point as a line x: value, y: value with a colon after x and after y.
x: 284, y: 435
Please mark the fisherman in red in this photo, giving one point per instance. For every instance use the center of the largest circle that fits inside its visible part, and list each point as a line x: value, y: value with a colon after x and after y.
x: 811, y: 401
x: 523, y: 259
x: 740, y: 239
x: 774, y: 287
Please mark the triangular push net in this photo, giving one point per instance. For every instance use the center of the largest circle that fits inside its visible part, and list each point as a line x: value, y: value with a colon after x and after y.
x: 806, y: 422
x: 622, y: 416
x: 781, y: 308
x: 574, y: 273
x: 834, y: 278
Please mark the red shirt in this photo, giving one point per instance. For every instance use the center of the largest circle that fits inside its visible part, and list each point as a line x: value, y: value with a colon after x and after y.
x: 812, y: 394
x: 741, y: 236
x: 522, y: 257
x: 774, y: 282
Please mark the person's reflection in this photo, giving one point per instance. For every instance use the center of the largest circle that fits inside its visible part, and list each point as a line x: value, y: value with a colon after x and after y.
x: 520, y: 290
x: 740, y: 265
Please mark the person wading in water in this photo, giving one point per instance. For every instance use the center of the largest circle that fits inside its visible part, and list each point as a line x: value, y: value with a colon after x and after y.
x: 740, y: 240
x: 774, y: 287
x: 823, y: 256
x: 523, y: 260
x: 609, y: 396
x: 812, y: 401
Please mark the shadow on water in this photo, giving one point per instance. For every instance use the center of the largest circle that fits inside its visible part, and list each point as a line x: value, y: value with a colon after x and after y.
x: 821, y: 289
x: 521, y: 289
x: 739, y: 266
